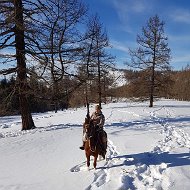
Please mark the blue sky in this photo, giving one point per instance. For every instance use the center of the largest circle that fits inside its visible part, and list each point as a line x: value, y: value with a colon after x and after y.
x: 124, y: 19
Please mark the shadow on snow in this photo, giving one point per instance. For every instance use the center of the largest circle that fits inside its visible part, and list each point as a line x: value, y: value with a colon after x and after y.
x: 145, y: 122
x: 148, y: 158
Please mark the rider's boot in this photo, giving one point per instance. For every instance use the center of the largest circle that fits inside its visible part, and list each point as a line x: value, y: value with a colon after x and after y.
x: 82, y: 147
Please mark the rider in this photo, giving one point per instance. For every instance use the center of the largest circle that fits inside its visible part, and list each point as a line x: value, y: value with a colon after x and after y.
x: 98, y: 120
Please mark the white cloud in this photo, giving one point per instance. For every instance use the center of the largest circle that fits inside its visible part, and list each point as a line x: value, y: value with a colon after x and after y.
x: 179, y: 61
x: 182, y: 59
x: 124, y: 7
x: 138, y: 6
x: 182, y: 39
x: 179, y: 49
x: 119, y: 46
x: 181, y: 15
x: 128, y: 10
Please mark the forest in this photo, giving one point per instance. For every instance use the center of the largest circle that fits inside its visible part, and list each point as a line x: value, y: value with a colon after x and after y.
x: 174, y: 86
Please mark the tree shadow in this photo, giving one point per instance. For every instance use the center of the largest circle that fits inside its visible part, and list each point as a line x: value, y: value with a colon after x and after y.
x: 171, y: 159
x: 59, y: 127
x: 177, y: 106
x: 144, y: 122
x: 148, y: 158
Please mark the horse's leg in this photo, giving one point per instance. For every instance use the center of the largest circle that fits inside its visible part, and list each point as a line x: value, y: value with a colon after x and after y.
x: 88, y: 160
x: 95, y: 160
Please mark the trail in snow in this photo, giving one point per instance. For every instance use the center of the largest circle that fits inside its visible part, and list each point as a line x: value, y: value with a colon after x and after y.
x: 145, y: 171
x: 105, y: 169
x: 148, y: 172
x: 173, y: 137
x: 141, y: 174
x: 103, y: 175
x: 147, y: 176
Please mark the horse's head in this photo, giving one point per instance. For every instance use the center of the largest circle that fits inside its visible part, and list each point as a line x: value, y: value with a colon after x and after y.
x: 89, y: 128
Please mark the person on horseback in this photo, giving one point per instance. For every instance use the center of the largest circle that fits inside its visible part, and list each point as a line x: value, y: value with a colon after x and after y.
x: 98, y: 121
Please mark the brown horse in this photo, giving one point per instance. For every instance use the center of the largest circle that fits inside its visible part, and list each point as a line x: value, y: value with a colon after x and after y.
x: 93, y: 144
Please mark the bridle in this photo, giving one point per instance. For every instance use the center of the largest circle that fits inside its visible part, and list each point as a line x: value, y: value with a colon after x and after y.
x: 89, y: 130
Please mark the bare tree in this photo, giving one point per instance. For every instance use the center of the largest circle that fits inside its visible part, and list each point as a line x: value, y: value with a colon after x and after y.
x: 99, y: 59
x: 86, y: 68
x: 12, y: 38
x: 43, y: 32
x: 152, y: 54
x: 61, y: 38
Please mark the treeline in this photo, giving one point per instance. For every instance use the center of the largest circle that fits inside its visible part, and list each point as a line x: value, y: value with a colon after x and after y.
x: 41, y: 97
x: 173, y: 85
x: 170, y: 84
x: 181, y: 87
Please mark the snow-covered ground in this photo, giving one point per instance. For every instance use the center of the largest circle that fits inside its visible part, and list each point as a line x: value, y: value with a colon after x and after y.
x: 148, y: 148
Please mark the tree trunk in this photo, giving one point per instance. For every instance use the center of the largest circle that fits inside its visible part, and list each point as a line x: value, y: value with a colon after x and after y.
x: 27, y: 121
x: 152, y: 87
x: 99, y: 83
x: 151, y: 101
x: 87, y: 100
x: 105, y: 100
x: 55, y: 95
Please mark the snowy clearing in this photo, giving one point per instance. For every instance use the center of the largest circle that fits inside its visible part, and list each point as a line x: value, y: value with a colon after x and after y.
x: 148, y: 148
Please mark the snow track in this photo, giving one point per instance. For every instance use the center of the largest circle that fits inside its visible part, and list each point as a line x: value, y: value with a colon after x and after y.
x: 104, y: 173
x: 152, y: 175
x: 146, y: 171
x: 148, y: 149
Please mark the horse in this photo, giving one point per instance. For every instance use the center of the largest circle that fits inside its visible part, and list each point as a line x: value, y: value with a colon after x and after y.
x: 93, y: 144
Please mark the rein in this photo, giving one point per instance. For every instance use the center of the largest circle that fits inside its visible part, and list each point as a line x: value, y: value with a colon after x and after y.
x: 97, y: 139
x: 92, y: 132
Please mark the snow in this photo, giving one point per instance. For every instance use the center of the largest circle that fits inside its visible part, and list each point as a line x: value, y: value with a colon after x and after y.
x: 148, y: 149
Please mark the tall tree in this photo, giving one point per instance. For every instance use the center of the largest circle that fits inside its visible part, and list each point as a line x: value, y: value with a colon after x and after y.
x: 85, y: 70
x: 96, y: 56
x: 61, y: 38
x: 12, y: 35
x: 153, y: 53
x: 40, y: 32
